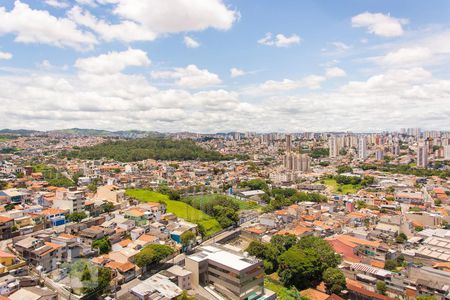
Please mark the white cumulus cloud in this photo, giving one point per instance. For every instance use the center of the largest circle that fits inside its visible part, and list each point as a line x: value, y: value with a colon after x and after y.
x: 380, y: 24
x: 406, y: 56
x: 39, y: 26
x: 5, y: 55
x: 235, y: 72
x: 190, y: 77
x: 279, y: 40
x: 335, y: 72
x: 190, y: 42
x: 127, y: 31
x: 113, y: 62
x: 57, y: 3
x: 171, y: 16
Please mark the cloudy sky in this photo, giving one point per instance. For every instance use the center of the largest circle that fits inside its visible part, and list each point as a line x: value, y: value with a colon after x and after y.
x: 223, y: 65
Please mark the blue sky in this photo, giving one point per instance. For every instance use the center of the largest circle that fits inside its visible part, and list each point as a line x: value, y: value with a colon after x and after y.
x: 167, y: 65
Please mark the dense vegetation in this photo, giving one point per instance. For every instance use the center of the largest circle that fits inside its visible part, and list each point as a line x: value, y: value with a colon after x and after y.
x: 202, y: 199
x: 300, y: 263
x: 147, y: 148
x: 152, y: 254
x: 220, y: 207
x: 354, y: 180
x: 95, y: 280
x: 255, y: 184
x: 103, y: 245
x: 407, y: 170
x: 52, y: 176
x: 76, y: 217
x: 285, y: 197
x: 9, y: 150
x: 344, y: 169
x: 319, y: 152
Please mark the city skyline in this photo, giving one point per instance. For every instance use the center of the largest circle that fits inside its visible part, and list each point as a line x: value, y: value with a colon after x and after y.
x: 228, y: 66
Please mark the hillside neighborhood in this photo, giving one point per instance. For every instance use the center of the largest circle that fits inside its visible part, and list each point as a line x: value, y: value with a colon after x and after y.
x: 249, y: 216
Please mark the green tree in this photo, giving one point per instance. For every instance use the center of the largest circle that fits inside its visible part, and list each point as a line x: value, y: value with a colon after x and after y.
x: 258, y: 249
x: 328, y: 257
x: 300, y: 268
x: 187, y: 238
x: 152, y: 254
x: 255, y: 184
x: 86, y: 276
x: 107, y: 207
x: 266, y: 252
x: 344, y: 169
x: 76, y: 216
x: 283, y: 242
x: 401, y: 238
x: 390, y: 264
x: 102, y: 283
x: 381, y: 287
x: 103, y: 245
x: 184, y: 296
x: 147, y: 148
x: 3, y: 185
x: 334, y: 280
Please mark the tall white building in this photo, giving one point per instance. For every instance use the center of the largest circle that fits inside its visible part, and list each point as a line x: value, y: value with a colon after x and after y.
x: 379, y: 154
x: 333, y: 146
x: 447, y: 152
x: 297, y: 162
x: 288, y: 143
x: 422, y: 154
x: 73, y: 200
x: 395, y: 149
x: 362, y: 148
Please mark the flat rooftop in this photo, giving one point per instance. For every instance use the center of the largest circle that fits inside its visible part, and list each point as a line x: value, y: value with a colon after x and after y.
x: 231, y: 260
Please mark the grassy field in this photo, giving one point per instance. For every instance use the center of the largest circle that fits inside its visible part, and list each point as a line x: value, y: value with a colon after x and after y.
x: 243, y: 205
x: 342, y: 189
x: 178, y: 208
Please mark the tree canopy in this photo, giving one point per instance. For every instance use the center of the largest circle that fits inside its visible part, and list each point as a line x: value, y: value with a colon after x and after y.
x: 147, y: 148
x: 303, y: 264
x: 103, y: 245
x: 334, y: 280
x: 153, y: 254
x: 187, y: 238
x: 77, y: 216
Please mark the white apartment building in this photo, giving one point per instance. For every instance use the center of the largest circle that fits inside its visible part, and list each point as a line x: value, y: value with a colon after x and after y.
x: 72, y: 200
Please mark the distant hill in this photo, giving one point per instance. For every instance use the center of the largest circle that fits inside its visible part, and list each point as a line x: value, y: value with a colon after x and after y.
x: 83, y: 132
x: 147, y: 148
x: 105, y: 133
x: 18, y: 131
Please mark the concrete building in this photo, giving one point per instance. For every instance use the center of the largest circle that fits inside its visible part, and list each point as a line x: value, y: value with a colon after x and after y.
x: 156, y: 287
x: 111, y: 193
x: 72, y: 200
x: 232, y: 274
x: 288, y: 143
x: 297, y: 162
x: 447, y: 152
x: 180, y: 276
x: 34, y: 293
x: 379, y: 154
x: 362, y: 148
x: 422, y: 154
x: 333, y: 146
